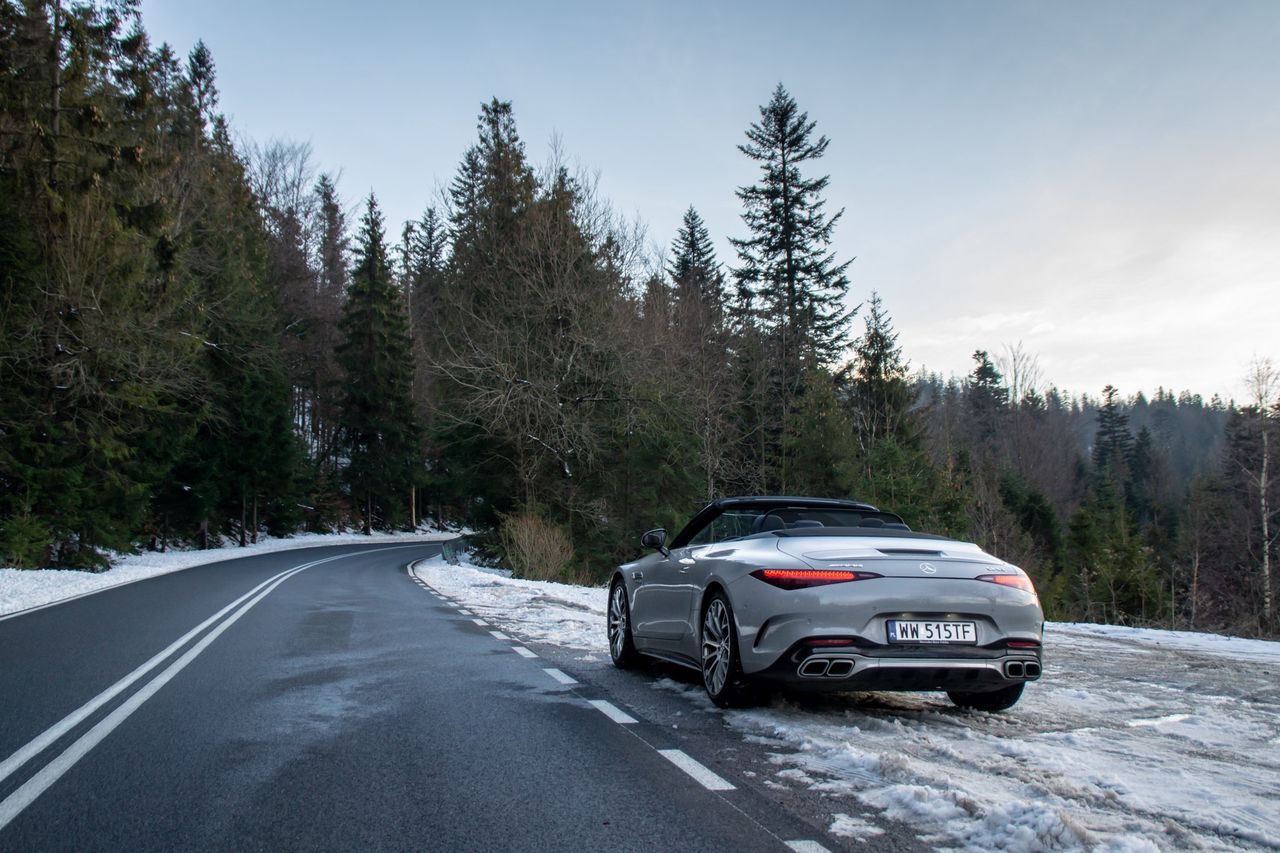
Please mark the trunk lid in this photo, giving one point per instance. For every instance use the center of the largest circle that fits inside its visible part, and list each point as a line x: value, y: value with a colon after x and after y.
x: 894, y: 557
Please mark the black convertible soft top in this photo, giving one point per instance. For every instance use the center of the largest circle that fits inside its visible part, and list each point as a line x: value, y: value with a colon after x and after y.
x: 769, y: 502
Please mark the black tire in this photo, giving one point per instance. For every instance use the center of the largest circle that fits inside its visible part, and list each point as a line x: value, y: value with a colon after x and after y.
x: 995, y: 700
x: 622, y: 647
x: 722, y: 674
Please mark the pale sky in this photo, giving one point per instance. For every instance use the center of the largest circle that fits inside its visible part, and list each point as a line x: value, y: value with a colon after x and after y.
x: 1095, y: 180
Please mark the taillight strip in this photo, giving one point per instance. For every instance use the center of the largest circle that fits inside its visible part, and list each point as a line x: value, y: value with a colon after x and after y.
x: 801, y: 578
x: 1021, y: 582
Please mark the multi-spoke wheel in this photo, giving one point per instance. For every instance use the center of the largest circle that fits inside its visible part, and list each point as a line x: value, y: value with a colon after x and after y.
x: 721, y: 668
x: 621, y: 647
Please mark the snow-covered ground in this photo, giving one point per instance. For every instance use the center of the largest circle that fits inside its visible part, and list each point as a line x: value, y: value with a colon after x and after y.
x: 1134, y: 740
x: 21, y: 589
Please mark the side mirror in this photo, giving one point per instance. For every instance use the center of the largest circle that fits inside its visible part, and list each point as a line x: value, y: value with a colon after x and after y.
x: 655, y: 539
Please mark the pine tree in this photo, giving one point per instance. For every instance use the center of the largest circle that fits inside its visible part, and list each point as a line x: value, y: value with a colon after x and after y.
x: 377, y: 408
x: 890, y: 465
x: 1113, y: 442
x: 988, y: 399
x: 880, y: 394
x: 790, y: 288
x: 788, y: 272
x: 699, y: 281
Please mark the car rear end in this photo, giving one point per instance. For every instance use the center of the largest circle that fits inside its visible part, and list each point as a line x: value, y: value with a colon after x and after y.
x: 862, y: 613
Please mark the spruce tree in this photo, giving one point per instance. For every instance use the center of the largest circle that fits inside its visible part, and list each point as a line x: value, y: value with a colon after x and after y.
x: 988, y: 399
x: 787, y: 270
x: 791, y: 290
x: 1113, y: 442
x: 699, y: 281
x: 890, y: 465
x: 380, y: 430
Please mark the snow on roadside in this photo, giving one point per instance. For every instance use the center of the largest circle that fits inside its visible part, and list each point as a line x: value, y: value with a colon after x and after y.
x: 556, y: 613
x: 21, y: 589
x: 1135, y: 740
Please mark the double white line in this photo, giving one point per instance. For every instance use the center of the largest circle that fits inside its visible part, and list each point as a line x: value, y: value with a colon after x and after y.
x: 25, y: 795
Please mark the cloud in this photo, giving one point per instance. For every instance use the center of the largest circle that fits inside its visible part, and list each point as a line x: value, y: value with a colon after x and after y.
x: 1165, y: 275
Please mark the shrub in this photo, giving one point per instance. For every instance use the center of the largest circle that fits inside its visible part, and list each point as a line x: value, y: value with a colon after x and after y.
x: 535, y: 548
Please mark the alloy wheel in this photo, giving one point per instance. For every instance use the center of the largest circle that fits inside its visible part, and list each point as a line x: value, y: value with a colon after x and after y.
x: 617, y: 621
x: 717, y: 647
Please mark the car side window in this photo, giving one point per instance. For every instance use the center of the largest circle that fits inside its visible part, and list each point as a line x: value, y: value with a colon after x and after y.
x: 732, y: 524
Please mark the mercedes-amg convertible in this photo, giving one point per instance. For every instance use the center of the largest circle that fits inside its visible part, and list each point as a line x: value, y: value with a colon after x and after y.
x: 826, y: 594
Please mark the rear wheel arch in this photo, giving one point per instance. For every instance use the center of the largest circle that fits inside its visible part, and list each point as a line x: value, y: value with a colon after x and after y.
x: 708, y: 593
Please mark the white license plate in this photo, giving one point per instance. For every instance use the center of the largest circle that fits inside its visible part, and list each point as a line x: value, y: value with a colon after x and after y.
x: 901, y: 631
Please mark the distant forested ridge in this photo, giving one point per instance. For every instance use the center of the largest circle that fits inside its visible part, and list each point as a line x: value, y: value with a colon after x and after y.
x: 201, y: 340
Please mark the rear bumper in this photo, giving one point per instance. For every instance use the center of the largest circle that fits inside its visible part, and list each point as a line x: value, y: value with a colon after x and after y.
x: 903, y: 668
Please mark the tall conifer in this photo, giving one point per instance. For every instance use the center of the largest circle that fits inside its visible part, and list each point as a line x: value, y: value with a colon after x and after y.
x: 790, y: 302
x: 377, y: 407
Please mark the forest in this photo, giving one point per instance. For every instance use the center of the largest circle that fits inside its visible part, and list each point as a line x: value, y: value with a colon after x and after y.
x: 203, y: 340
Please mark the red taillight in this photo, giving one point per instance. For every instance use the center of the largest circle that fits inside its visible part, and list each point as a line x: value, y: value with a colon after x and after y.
x: 1021, y: 582
x: 828, y: 641
x: 1023, y: 644
x: 801, y: 578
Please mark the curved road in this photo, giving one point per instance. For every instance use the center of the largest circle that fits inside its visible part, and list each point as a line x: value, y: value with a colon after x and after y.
x: 253, y: 704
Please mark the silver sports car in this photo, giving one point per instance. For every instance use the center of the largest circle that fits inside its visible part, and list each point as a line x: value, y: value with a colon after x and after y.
x: 827, y: 594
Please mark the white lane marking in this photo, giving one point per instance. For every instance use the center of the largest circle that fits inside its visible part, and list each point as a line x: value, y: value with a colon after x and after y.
x: 42, y: 741
x: 523, y: 652
x: 807, y: 847
x: 49, y: 604
x: 498, y: 635
x: 560, y: 676
x: 612, y: 711
x: 13, y: 805
x: 700, y: 774
x: 464, y: 612
x: 479, y: 621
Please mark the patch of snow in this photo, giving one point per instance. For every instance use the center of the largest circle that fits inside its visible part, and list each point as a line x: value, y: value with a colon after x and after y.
x: 557, y: 613
x: 22, y: 589
x: 1235, y: 648
x: 845, y: 826
x: 1135, y: 740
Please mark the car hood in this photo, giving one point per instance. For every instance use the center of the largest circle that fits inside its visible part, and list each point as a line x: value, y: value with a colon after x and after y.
x: 895, y: 557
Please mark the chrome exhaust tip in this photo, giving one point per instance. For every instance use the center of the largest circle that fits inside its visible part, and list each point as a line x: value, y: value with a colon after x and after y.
x: 1014, y: 669
x: 1031, y: 670
x: 814, y: 668
x: 840, y: 669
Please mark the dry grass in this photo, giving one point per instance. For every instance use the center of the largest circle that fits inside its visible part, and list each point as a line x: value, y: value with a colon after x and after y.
x: 536, y: 549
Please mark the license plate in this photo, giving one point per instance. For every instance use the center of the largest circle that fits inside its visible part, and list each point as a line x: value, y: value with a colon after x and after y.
x: 932, y: 632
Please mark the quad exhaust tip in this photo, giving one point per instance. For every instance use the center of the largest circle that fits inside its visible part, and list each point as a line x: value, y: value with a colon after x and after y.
x: 814, y: 668
x: 1022, y: 669
x: 820, y: 667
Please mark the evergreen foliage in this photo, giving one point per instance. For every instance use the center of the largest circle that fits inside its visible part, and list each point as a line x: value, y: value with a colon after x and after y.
x: 790, y: 288
x: 190, y: 349
x: 378, y: 423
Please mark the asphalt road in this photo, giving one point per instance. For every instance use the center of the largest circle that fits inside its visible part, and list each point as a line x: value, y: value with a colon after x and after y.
x: 235, y: 706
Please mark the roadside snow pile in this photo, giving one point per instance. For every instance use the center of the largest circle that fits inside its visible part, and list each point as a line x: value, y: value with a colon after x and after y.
x: 556, y: 613
x: 1135, y: 740
x: 21, y: 589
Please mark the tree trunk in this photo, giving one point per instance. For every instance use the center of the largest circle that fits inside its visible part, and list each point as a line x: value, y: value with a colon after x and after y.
x: 253, y: 535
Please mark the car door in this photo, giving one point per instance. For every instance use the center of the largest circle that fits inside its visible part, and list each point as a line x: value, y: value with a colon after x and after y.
x: 659, y: 596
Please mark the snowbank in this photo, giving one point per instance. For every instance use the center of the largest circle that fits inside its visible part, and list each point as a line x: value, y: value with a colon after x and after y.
x: 1135, y: 739
x: 22, y: 589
